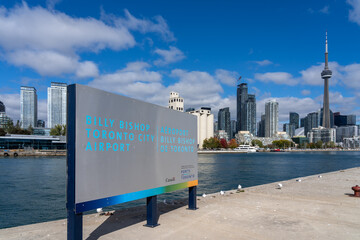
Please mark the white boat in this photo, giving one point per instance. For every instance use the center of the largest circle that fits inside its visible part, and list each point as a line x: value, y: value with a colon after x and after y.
x: 245, y: 148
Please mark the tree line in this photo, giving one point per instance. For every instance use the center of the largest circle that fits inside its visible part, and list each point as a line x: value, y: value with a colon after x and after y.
x: 11, y: 128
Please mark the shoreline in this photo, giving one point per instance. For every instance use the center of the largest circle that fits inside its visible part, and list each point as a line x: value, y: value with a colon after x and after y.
x: 22, y: 153
x: 315, y: 208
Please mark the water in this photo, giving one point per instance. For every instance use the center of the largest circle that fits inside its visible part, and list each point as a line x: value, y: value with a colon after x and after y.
x: 32, y: 189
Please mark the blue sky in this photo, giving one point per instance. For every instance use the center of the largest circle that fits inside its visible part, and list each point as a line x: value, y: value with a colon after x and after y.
x: 198, y: 48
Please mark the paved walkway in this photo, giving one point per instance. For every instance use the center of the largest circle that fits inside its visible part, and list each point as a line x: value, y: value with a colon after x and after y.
x: 313, y: 208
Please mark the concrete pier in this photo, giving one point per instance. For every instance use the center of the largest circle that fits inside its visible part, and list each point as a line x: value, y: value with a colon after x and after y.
x: 313, y: 208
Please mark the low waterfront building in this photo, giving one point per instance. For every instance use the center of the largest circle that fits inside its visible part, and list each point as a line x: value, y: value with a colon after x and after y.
x: 300, y: 140
x: 353, y: 142
x: 205, y: 124
x: 322, y: 134
x: 346, y: 132
x: 176, y: 102
x: 244, y: 137
x: 222, y: 134
x: 15, y: 141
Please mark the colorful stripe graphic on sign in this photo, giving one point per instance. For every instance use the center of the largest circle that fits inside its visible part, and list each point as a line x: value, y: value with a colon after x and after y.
x: 104, y: 202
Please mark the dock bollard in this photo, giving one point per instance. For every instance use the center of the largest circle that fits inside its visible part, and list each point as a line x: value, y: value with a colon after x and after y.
x: 356, y: 190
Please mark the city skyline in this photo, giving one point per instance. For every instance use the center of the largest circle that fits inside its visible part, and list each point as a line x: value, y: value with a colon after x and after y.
x: 146, y: 52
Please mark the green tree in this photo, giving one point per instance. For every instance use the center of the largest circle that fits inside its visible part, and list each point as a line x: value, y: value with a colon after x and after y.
x: 233, y: 144
x: 2, y: 132
x: 257, y: 142
x: 211, y: 143
x: 57, y: 130
x: 319, y: 144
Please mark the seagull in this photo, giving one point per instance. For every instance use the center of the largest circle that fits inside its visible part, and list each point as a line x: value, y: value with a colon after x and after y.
x: 222, y: 192
x: 239, y: 187
x: 319, y: 176
x: 298, y: 180
x: 204, y: 195
x: 99, y: 210
x: 279, y: 185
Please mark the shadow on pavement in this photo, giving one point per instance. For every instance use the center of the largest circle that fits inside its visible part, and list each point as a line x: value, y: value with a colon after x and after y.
x: 130, y: 216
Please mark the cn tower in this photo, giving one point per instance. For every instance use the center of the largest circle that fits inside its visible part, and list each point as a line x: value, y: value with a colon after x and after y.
x: 326, y: 75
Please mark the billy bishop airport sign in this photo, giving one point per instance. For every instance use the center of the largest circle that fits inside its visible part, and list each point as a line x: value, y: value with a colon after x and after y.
x: 121, y: 149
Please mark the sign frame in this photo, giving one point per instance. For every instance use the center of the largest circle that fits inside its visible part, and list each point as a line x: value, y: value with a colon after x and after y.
x: 75, y: 210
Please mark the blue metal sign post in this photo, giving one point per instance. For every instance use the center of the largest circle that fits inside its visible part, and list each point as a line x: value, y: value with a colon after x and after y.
x: 74, y: 220
x: 192, y: 198
x: 152, y: 214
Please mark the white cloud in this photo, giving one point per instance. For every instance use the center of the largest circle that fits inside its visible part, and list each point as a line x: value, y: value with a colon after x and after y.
x: 145, y: 26
x: 354, y: 13
x: 312, y: 75
x: 276, y: 77
x: 305, y: 92
x: 351, y: 75
x: 169, y: 56
x: 38, y: 28
x: 50, y: 63
x: 135, y: 80
x: 325, y: 9
x: 50, y: 4
x: 227, y: 77
x: 87, y: 69
x: 338, y: 102
x: 50, y: 41
x: 302, y: 106
x: 264, y: 62
x: 12, y: 105
x: 42, y: 110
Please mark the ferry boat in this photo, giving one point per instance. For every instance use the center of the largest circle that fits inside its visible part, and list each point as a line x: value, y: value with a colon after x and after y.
x: 245, y: 148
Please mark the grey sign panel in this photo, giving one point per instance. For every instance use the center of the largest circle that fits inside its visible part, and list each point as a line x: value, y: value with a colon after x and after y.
x: 127, y: 149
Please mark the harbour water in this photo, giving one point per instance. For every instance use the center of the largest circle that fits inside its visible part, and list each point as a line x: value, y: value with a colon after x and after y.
x: 32, y: 189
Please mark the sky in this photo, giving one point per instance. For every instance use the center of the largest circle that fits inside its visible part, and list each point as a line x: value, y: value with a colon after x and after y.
x: 144, y: 50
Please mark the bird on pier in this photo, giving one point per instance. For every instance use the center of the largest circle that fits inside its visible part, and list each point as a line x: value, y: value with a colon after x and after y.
x: 239, y: 187
x: 298, y: 180
x: 279, y: 185
x: 99, y: 210
x: 222, y: 192
x: 204, y: 195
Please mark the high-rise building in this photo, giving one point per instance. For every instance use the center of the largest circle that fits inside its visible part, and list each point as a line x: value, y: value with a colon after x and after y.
x: 346, y: 132
x: 289, y: 128
x: 56, y: 104
x: 271, y: 118
x: 2, y: 107
x: 233, y: 128
x: 224, y: 121
x: 311, y: 121
x: 28, y: 107
x: 216, y: 125
x: 326, y: 75
x: 3, y: 118
x: 261, y: 128
x: 251, y: 114
x: 302, y: 122
x: 344, y: 120
x: 294, y: 119
x: 246, y: 109
x: 176, y: 102
x: 242, y: 96
x: 205, y: 124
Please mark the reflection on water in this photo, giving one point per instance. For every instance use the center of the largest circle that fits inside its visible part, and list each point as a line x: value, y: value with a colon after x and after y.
x: 33, y: 189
